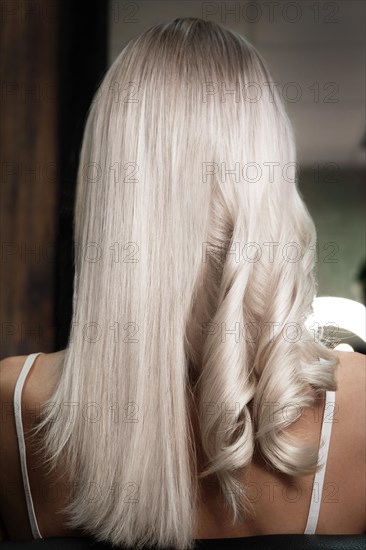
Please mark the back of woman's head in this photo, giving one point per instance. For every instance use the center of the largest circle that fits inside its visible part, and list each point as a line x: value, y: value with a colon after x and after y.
x: 194, y: 276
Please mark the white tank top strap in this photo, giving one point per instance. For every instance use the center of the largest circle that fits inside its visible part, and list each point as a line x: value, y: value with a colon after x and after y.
x: 317, y: 490
x: 21, y: 443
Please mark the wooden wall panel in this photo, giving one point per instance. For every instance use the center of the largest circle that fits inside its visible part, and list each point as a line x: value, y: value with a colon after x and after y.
x: 29, y: 174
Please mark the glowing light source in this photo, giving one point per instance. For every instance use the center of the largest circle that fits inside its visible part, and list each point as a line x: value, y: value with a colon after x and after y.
x: 344, y: 347
x: 339, y: 312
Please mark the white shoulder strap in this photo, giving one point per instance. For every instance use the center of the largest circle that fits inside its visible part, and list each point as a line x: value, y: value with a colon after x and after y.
x: 317, y: 491
x: 21, y: 443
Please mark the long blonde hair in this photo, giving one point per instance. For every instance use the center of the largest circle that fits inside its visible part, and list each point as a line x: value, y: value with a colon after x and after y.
x: 194, y: 274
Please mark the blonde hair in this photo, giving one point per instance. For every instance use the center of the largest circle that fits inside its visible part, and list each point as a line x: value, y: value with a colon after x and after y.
x: 184, y: 208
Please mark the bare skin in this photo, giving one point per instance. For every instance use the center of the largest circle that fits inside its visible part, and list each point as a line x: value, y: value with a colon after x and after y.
x: 280, y: 503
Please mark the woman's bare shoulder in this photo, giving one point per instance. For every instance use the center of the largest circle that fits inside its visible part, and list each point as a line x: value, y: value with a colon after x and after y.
x: 351, y: 358
x: 351, y: 401
x: 39, y: 379
x: 352, y: 372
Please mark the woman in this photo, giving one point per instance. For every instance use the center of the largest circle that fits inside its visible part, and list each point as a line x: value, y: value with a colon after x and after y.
x: 191, y: 401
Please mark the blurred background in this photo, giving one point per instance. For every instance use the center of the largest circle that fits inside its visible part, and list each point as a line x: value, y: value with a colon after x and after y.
x: 54, y: 54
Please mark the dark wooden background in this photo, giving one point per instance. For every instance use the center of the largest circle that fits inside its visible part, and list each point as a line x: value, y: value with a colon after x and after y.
x: 53, y: 55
